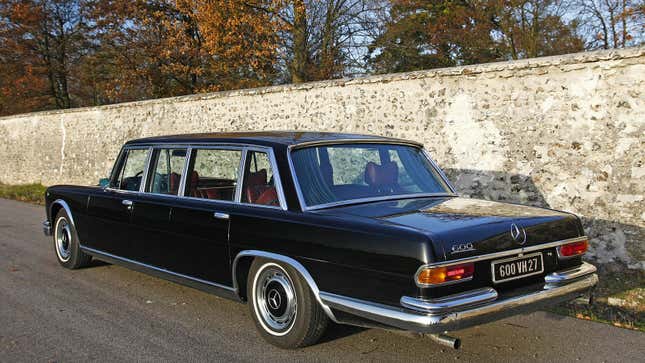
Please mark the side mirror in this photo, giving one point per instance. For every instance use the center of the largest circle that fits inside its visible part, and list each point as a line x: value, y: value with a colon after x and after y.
x: 104, y: 182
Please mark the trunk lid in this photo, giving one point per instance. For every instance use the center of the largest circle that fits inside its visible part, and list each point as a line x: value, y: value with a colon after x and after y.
x: 463, y: 227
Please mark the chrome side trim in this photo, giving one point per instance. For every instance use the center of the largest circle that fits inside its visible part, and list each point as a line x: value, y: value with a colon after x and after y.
x: 564, y: 276
x: 451, y: 302
x: 165, y: 273
x: 65, y: 206
x: 289, y: 261
x: 305, y: 207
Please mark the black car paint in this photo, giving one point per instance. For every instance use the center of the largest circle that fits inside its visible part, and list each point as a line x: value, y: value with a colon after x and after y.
x: 369, y: 251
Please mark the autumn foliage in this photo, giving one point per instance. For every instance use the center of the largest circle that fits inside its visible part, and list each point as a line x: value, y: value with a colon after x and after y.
x: 74, y: 53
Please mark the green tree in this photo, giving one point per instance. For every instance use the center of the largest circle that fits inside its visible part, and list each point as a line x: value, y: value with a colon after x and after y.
x: 422, y: 34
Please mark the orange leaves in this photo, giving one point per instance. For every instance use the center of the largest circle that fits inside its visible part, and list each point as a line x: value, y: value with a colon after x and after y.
x: 177, y: 47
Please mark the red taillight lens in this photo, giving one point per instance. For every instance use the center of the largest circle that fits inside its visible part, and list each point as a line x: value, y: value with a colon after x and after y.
x: 440, y: 275
x: 573, y: 249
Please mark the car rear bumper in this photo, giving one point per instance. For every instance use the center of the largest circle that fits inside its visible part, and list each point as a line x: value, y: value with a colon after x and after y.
x: 469, y: 308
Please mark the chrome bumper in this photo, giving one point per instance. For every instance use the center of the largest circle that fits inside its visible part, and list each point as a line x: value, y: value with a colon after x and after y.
x: 470, y: 308
x: 47, y: 228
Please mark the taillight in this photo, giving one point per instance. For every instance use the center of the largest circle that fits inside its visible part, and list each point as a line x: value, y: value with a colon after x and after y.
x: 573, y: 249
x: 440, y: 275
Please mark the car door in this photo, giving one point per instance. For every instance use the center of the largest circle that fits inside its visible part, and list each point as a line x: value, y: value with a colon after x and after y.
x: 109, y: 210
x: 152, y: 240
x: 187, y: 232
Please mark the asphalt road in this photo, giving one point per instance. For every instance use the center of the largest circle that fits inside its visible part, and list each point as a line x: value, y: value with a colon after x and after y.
x: 109, y: 313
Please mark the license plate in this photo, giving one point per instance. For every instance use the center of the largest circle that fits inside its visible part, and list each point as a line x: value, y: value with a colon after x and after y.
x: 517, y: 267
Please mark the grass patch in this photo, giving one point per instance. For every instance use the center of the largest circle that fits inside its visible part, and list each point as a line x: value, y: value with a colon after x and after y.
x: 31, y: 193
x: 619, y: 299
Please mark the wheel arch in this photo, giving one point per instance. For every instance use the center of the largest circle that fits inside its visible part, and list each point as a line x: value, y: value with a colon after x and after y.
x: 57, y: 205
x: 242, y: 264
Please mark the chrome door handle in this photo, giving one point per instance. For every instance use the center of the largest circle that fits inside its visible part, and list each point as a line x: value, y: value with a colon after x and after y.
x: 127, y: 203
x: 220, y: 215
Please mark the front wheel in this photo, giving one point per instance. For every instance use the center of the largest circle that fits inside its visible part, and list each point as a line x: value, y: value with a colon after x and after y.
x: 283, y: 306
x: 68, y: 250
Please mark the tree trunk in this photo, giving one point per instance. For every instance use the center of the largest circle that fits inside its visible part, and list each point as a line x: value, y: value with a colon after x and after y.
x: 300, y: 48
x: 327, y: 60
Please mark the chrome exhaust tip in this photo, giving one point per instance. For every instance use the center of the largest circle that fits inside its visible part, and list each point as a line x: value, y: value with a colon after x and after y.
x: 446, y: 340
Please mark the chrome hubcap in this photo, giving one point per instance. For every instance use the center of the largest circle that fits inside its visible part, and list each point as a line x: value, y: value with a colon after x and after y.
x: 275, y: 299
x: 63, y: 239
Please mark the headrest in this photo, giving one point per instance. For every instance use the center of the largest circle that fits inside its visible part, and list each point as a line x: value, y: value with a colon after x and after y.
x: 386, y: 174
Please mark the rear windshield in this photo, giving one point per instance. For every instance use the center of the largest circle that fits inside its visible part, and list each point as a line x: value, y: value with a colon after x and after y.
x: 339, y: 173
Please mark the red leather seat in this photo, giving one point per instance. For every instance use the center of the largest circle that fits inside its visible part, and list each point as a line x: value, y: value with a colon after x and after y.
x: 258, y: 191
x: 254, y: 183
x: 211, y: 193
x: 268, y: 197
x: 194, y: 183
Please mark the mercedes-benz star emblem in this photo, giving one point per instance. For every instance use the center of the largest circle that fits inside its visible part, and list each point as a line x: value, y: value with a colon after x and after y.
x: 274, y: 299
x: 518, y: 234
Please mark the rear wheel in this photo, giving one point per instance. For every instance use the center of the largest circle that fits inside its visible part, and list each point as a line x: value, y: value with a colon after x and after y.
x: 68, y: 250
x: 283, y: 306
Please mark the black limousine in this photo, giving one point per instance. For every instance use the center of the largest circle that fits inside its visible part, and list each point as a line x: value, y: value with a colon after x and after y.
x: 314, y: 227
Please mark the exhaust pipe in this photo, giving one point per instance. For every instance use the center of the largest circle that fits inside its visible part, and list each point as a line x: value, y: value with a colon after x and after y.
x: 446, y: 340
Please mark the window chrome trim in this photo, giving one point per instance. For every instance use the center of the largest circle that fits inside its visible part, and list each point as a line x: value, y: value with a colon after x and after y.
x: 385, y: 141
x: 237, y: 198
x: 277, y: 182
x: 184, y: 177
x: 305, y: 207
x: 439, y: 171
x: 243, y: 148
x: 378, y: 199
x: 146, y: 170
x: 123, y: 150
x: 495, y: 255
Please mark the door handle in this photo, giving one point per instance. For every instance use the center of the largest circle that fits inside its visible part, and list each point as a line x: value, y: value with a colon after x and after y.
x: 127, y: 203
x: 220, y: 215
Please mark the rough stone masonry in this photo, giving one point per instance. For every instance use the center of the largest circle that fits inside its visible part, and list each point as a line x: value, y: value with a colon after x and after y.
x: 565, y: 132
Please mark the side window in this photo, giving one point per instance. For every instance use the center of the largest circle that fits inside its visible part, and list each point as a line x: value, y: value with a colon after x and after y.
x: 259, y: 185
x: 167, y: 167
x: 214, y: 174
x: 131, y: 170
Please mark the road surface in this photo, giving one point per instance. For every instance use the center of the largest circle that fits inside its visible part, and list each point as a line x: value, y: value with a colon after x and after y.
x: 108, y: 313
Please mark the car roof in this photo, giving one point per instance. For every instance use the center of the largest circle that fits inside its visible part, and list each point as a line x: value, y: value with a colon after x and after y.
x: 268, y: 138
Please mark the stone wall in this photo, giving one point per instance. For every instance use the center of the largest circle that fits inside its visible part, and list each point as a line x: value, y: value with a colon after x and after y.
x: 562, y: 132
